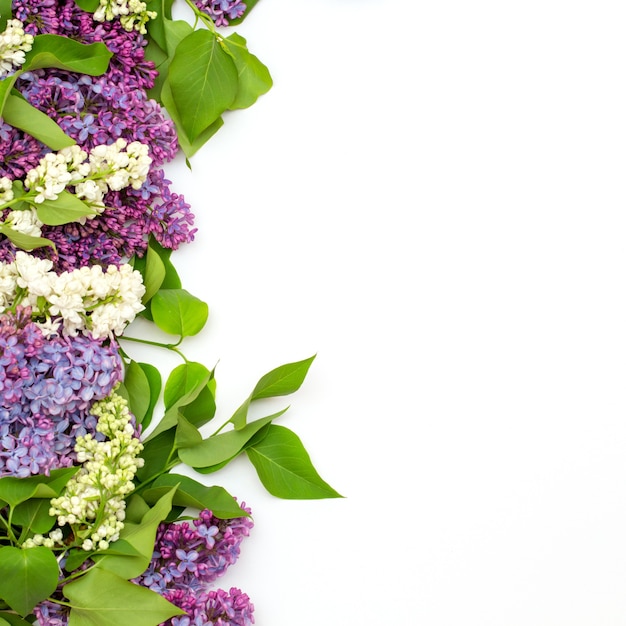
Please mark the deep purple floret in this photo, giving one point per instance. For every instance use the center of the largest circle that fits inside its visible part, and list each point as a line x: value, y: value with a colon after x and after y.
x: 47, y: 386
x: 221, y: 11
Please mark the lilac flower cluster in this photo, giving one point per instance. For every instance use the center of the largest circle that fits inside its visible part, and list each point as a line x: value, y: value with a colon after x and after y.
x: 47, y: 386
x: 188, y: 558
x: 93, y: 111
x: 221, y: 11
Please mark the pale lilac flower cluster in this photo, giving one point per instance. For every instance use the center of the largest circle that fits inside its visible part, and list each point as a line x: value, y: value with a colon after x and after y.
x: 86, y: 300
x: 188, y: 558
x: 14, y: 44
x: 93, y: 502
x: 47, y: 387
x: 221, y: 11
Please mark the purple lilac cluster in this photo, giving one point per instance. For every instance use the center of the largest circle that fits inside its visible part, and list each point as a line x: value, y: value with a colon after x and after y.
x: 94, y: 111
x: 47, y: 386
x: 221, y: 11
x: 188, y: 558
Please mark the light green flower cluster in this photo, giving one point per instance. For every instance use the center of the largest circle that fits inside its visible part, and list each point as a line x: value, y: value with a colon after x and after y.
x: 133, y: 14
x: 93, y: 503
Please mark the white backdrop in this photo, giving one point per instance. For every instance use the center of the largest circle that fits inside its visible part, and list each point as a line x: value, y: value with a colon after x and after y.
x: 431, y: 198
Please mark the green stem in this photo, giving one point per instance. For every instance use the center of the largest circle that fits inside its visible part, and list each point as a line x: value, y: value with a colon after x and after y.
x: 167, y: 346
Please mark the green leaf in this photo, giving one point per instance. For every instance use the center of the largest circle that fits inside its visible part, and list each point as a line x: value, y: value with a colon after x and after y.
x: 5, y: 13
x: 138, y: 389
x: 141, y: 537
x: 203, y: 79
x: 13, y: 490
x: 170, y: 417
x: 88, y: 5
x: 67, y: 54
x: 157, y: 455
x: 191, y: 493
x: 254, y: 77
x: 33, y: 515
x: 13, y: 620
x: 187, y: 146
x: 154, y: 273
x: 177, y: 312
x: 219, y: 448
x: 186, y: 434
x: 25, y: 242
x: 183, y: 379
x: 285, y: 468
x: 21, y: 114
x: 65, y: 209
x: 280, y: 381
x: 27, y: 576
x: 102, y: 598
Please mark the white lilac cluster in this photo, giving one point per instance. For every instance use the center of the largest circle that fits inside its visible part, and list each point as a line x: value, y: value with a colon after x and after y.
x: 6, y: 190
x: 106, y: 167
x: 133, y: 14
x: 93, y: 502
x: 88, y: 299
x: 14, y: 44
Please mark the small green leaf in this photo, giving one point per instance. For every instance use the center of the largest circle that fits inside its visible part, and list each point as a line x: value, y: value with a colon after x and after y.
x: 203, y: 79
x: 285, y: 468
x: 67, y: 54
x: 138, y: 389
x: 254, y: 77
x: 187, y: 434
x: 281, y: 381
x: 170, y: 417
x: 25, y: 242
x: 183, y: 379
x: 21, y: 114
x: 225, y: 446
x: 27, y: 576
x: 177, y: 312
x: 191, y: 493
x: 65, y: 209
x: 153, y: 274
x: 102, y: 598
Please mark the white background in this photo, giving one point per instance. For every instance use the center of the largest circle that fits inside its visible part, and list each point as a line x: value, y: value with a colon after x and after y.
x: 431, y: 199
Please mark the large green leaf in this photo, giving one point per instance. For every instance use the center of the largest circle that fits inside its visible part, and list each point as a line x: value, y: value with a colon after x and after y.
x: 102, y: 598
x: 285, y: 468
x: 138, y: 388
x: 12, y: 619
x: 27, y: 576
x: 21, y: 114
x: 203, y: 79
x: 254, y: 77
